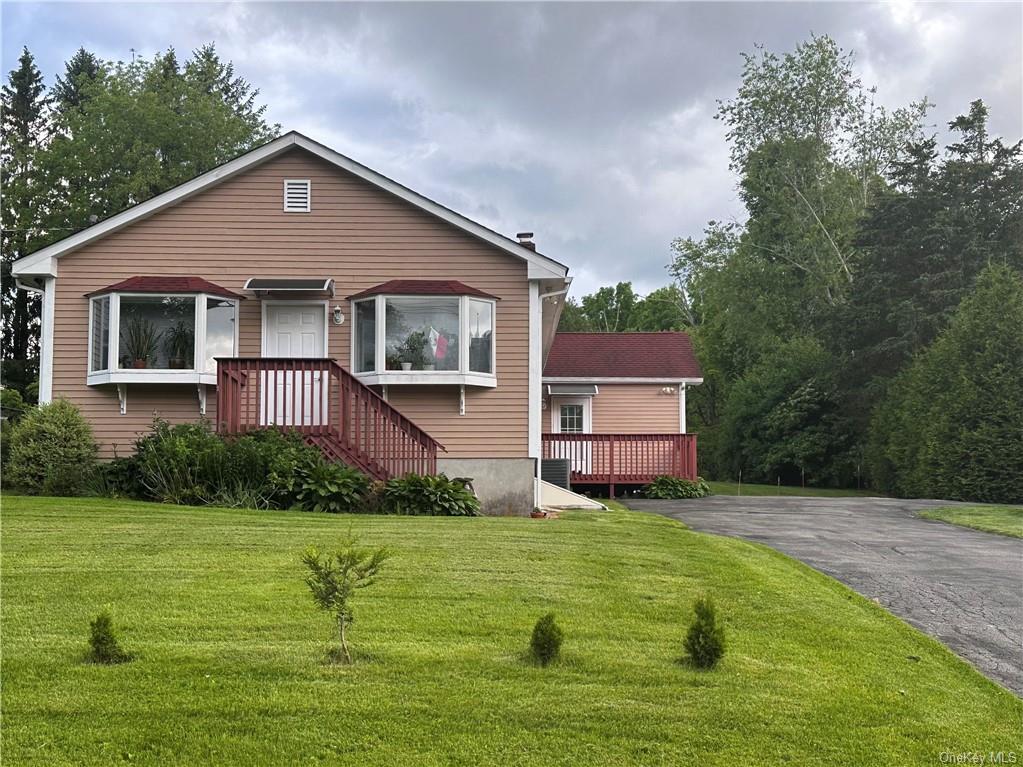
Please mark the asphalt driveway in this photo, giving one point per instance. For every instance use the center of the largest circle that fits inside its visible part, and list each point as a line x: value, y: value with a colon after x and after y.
x: 961, y: 586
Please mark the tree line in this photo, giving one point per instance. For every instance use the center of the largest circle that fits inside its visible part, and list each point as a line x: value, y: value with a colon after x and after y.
x: 864, y: 324
x: 104, y: 136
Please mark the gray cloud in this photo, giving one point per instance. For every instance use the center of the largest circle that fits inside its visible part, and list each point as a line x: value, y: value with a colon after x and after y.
x: 590, y: 124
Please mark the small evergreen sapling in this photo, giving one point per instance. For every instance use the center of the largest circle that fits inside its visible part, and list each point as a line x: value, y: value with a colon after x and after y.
x: 545, y: 644
x: 334, y: 579
x: 705, y: 640
x: 103, y: 643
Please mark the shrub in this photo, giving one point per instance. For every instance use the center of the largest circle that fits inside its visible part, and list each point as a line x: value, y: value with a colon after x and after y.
x: 333, y: 581
x: 268, y: 463
x: 182, y: 464
x: 12, y: 406
x: 331, y: 487
x: 52, y: 451
x: 545, y: 644
x: 676, y: 487
x: 104, y: 646
x: 118, y: 478
x: 705, y: 640
x: 430, y: 495
x: 189, y: 464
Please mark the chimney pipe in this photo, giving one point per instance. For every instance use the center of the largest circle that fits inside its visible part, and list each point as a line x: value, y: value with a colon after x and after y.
x: 526, y: 240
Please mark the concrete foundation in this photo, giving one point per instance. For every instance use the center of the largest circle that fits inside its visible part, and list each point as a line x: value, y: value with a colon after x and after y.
x: 504, y: 485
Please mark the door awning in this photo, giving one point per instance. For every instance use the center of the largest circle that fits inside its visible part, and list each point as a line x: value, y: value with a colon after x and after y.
x: 573, y: 390
x: 304, y: 286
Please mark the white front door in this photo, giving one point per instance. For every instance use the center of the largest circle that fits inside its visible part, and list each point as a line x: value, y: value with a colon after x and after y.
x: 293, y: 398
x: 573, y: 416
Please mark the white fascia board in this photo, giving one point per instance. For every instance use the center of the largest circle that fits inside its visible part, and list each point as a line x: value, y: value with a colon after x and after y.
x: 46, y: 342
x: 539, y: 266
x: 534, y: 372
x: 577, y: 379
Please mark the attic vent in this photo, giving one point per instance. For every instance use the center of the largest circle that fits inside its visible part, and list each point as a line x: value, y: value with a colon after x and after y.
x: 297, y: 195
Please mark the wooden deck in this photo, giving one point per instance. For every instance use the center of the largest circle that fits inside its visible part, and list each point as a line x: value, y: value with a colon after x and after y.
x: 623, y: 459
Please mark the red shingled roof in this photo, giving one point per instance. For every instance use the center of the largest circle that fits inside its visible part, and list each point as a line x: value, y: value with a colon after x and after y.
x: 166, y: 285
x: 660, y: 356
x: 422, y: 288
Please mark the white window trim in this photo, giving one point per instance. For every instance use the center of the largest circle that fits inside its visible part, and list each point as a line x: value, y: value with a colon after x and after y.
x: 117, y: 375
x: 557, y: 402
x: 294, y: 302
x: 308, y: 199
x: 93, y: 300
x: 462, y: 376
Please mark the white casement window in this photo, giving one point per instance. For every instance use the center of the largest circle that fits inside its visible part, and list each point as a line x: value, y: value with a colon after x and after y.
x: 298, y: 195
x: 147, y: 337
x: 99, y: 334
x: 425, y: 339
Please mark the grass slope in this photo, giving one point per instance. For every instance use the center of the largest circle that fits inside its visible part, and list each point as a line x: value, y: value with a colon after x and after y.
x: 229, y: 648
x: 732, y: 488
x: 1004, y: 520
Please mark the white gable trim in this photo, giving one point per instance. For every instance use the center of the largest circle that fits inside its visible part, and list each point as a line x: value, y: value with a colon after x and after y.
x: 42, y: 262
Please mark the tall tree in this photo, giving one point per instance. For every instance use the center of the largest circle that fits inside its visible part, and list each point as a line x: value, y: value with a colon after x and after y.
x: 150, y: 124
x: 927, y: 239
x: 952, y: 425
x: 80, y: 69
x: 811, y: 145
x: 207, y: 72
x: 23, y: 134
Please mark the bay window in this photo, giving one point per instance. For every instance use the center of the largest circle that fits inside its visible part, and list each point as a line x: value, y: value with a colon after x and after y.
x: 159, y: 338
x: 424, y: 339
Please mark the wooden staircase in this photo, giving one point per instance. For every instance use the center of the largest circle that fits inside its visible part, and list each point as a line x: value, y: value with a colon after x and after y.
x: 331, y: 408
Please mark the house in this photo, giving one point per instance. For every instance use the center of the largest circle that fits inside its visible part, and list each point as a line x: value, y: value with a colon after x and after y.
x: 615, y: 407
x: 293, y: 287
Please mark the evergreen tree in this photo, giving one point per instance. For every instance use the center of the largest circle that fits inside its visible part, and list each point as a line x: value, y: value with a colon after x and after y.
x: 151, y: 124
x: 207, y: 72
x: 23, y: 136
x: 81, y: 68
x: 952, y: 426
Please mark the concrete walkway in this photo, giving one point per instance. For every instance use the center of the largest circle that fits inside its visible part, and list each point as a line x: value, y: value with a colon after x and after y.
x: 963, y: 587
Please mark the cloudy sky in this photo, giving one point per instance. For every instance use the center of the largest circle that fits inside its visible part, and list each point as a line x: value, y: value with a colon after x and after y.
x: 589, y: 124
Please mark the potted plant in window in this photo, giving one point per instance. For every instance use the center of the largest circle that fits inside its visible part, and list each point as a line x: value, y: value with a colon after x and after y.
x: 179, y: 344
x: 413, y: 350
x: 140, y: 338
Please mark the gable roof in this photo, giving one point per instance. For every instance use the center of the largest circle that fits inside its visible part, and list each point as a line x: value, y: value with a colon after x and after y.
x: 43, y: 261
x: 421, y: 288
x: 663, y: 356
x: 146, y: 284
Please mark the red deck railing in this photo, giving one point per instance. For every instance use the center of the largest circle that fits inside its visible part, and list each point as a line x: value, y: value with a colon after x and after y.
x: 333, y: 409
x: 623, y: 459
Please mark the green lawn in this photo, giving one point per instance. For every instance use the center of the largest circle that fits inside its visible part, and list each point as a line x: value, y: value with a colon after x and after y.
x: 230, y: 649
x: 732, y: 488
x: 1004, y: 520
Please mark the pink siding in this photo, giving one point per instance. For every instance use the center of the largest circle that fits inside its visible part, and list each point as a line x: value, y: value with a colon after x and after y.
x: 356, y: 234
x: 627, y: 409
